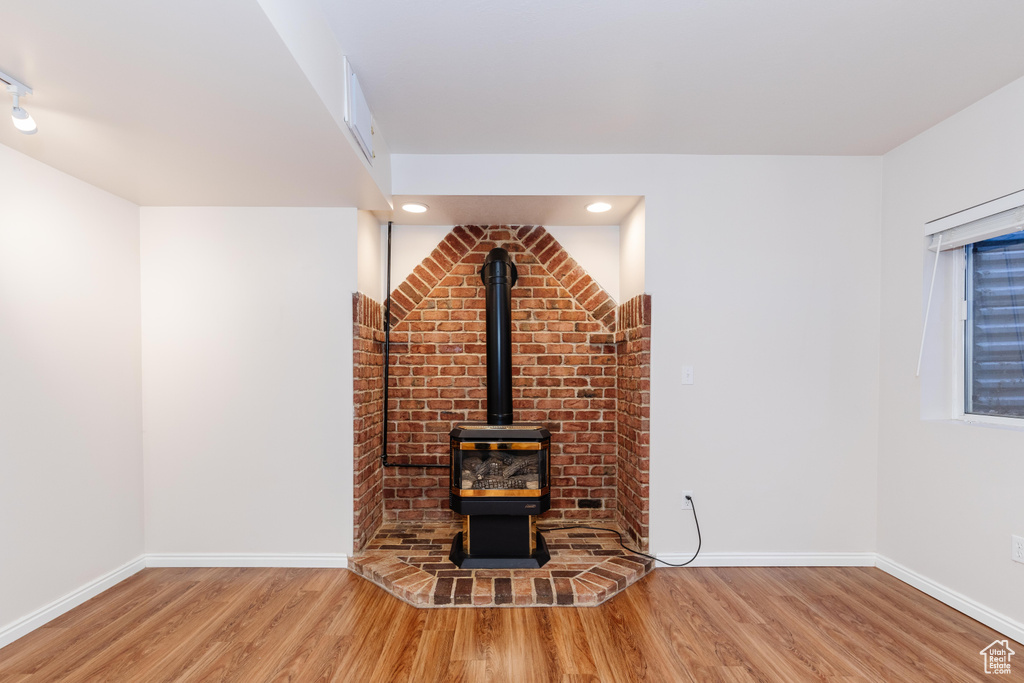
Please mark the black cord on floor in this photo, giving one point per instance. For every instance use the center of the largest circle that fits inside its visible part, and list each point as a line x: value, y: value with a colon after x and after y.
x: 693, y: 507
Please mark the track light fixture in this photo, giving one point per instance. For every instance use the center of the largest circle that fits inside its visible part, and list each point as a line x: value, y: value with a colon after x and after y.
x: 23, y: 121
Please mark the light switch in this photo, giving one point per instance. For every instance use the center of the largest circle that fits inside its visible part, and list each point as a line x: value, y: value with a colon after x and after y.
x: 687, y: 374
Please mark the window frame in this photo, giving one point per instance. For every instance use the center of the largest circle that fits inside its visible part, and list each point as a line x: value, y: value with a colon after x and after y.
x: 960, y: 316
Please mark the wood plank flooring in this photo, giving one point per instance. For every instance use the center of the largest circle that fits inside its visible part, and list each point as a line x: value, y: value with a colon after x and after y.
x: 699, y: 624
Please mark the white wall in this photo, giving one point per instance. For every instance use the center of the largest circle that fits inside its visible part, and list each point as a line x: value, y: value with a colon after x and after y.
x: 70, y: 407
x: 596, y: 248
x: 247, y: 379
x: 368, y: 246
x: 410, y: 244
x: 632, y: 253
x: 764, y: 273
x: 950, y: 494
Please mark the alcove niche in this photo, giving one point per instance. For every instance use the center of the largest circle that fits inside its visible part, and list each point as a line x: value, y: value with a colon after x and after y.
x: 581, y: 352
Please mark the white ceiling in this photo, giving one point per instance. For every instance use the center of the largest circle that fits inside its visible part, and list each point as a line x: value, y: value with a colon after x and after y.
x: 844, y: 77
x: 510, y: 210
x: 190, y: 102
x: 200, y: 102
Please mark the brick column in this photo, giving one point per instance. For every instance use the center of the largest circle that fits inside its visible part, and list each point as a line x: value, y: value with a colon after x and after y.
x: 633, y: 352
x: 368, y: 400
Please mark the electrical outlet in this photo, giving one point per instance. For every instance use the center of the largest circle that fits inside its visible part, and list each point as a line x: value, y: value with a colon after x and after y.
x: 686, y: 501
x: 1017, y: 549
x: 687, y: 374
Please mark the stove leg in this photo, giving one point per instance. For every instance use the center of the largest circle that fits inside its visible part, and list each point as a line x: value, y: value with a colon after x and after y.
x: 500, y: 542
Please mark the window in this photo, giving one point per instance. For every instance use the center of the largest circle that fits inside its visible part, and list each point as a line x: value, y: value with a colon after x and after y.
x: 994, y: 327
x: 986, y: 244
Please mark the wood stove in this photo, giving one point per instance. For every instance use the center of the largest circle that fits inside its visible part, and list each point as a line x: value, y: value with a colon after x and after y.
x: 500, y: 470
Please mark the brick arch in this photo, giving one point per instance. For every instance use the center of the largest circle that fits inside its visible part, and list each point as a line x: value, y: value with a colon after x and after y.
x: 424, y: 277
x: 536, y: 240
x: 569, y: 274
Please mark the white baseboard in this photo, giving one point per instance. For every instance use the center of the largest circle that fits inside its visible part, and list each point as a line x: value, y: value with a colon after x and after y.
x: 23, y: 626
x: 15, y: 630
x: 312, y: 561
x: 771, y: 559
x: 959, y: 602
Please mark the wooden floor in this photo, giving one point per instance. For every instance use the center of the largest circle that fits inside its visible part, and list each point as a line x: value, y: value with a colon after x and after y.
x: 736, y: 624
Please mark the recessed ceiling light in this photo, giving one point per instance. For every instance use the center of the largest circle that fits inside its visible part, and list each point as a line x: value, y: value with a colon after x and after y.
x: 599, y: 207
x: 414, y: 207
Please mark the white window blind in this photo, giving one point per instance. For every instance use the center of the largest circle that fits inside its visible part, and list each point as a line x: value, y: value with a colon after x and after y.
x: 996, y: 225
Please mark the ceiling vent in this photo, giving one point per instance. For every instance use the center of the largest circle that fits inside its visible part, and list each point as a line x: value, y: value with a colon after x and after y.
x: 357, y: 112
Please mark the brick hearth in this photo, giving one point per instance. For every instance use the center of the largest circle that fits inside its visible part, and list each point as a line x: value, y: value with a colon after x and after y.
x: 410, y: 560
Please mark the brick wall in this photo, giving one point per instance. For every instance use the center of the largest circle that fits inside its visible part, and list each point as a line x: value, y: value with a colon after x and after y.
x: 580, y: 365
x: 368, y: 399
x: 564, y: 363
x: 633, y: 351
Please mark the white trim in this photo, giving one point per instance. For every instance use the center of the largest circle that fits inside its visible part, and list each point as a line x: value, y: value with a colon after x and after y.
x: 961, y: 603
x: 958, y: 299
x: 992, y: 421
x: 928, y: 307
x: 312, y: 561
x: 29, y: 623
x: 974, y: 213
x: 771, y: 559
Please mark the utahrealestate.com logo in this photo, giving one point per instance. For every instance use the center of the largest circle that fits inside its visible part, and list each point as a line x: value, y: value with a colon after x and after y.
x: 997, y: 657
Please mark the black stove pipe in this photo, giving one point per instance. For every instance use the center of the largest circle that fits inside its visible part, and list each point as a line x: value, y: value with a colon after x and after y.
x: 499, y: 276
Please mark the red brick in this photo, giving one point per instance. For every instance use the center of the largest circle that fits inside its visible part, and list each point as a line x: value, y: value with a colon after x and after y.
x: 532, y: 236
x: 567, y: 372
